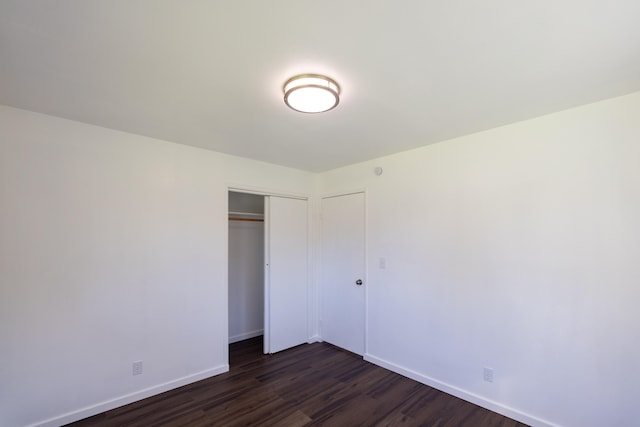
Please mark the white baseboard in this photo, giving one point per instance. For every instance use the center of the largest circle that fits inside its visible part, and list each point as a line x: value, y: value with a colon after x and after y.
x: 107, y: 405
x: 246, y: 336
x: 314, y: 338
x: 462, y: 394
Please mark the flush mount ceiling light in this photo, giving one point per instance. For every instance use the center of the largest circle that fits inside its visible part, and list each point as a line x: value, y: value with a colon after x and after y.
x: 311, y: 93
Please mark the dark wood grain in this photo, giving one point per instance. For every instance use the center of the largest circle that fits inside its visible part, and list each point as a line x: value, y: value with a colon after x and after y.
x: 310, y: 385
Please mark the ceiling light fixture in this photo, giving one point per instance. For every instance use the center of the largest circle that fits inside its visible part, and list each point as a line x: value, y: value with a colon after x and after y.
x: 311, y: 93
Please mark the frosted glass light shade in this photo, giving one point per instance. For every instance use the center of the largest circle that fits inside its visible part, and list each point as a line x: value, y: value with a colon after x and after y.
x: 311, y: 93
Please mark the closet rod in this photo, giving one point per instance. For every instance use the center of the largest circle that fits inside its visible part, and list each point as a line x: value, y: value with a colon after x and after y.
x: 246, y: 219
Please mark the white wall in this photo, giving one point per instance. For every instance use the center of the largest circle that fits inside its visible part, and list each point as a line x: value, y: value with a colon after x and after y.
x: 113, y: 249
x: 515, y: 249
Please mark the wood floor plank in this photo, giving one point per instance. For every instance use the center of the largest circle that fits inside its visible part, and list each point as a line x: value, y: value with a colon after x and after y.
x: 396, y: 419
x: 309, y: 385
x: 295, y: 419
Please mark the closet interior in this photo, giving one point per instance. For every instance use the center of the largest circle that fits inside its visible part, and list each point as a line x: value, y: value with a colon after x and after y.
x: 246, y: 266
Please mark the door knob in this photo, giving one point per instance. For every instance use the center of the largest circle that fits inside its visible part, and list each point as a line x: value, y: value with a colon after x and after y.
x: 359, y: 282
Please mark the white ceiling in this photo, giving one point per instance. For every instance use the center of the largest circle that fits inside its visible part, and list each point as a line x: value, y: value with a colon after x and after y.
x: 413, y: 72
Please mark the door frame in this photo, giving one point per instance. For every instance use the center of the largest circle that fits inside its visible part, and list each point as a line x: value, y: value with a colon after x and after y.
x: 365, y: 273
x: 240, y: 188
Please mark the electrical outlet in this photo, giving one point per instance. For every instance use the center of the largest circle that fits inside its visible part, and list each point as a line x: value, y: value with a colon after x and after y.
x: 488, y: 374
x: 137, y: 367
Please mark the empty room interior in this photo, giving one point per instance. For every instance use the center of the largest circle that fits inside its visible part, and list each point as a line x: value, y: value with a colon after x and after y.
x: 446, y: 191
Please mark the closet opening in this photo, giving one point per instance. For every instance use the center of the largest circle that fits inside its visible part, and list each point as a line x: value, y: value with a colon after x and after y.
x: 246, y: 275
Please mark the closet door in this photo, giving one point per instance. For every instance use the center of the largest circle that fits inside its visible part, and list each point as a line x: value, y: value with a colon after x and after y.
x: 286, y: 287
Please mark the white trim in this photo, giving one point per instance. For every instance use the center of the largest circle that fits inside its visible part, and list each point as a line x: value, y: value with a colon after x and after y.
x: 344, y: 193
x: 239, y: 188
x: 266, y: 341
x: 246, y: 336
x: 462, y: 394
x: 366, y: 271
x: 314, y: 339
x: 107, y: 405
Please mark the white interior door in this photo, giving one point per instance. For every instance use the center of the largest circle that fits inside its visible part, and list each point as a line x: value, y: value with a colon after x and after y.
x: 343, y: 266
x: 286, y: 274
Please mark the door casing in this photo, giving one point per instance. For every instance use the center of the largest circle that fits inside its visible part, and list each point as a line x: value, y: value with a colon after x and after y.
x: 306, y: 280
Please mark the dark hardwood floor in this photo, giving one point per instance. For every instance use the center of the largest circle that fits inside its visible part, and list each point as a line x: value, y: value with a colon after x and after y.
x: 310, y: 385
